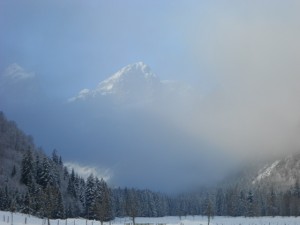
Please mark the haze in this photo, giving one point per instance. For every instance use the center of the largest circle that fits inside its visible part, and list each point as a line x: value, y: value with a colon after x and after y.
x: 239, y: 60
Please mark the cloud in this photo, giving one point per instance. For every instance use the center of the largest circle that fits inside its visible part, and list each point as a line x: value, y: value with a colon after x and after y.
x: 252, y: 52
x: 19, y: 87
x: 86, y: 170
x: 17, y: 73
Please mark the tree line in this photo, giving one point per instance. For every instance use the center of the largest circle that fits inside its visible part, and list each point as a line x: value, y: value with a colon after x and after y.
x: 32, y: 182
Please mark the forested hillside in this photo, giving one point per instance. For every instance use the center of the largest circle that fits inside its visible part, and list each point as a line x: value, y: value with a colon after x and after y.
x: 32, y: 182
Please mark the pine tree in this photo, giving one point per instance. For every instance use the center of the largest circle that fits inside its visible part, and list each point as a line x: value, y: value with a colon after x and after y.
x: 90, y: 196
x: 209, y: 212
x: 58, y: 210
x: 219, y: 202
x: 241, y: 209
x: 131, y: 204
x: 250, y: 204
x: 13, y: 172
x: 231, y: 199
x: 27, y: 203
x: 118, y: 202
x: 152, y: 205
x: 71, y: 185
x: 103, y: 202
x: 81, y: 191
x: 60, y: 161
x: 45, y: 176
x: 35, y: 194
x: 295, y: 199
x: 66, y: 173
x: 4, y: 199
x: 55, y: 157
x: 271, y: 203
x: 286, y: 203
x: 27, y: 168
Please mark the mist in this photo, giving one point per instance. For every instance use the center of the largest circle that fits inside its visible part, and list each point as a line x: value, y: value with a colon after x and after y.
x: 235, y: 66
x: 252, y: 53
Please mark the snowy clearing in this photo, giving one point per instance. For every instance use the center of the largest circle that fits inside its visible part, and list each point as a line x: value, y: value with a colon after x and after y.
x: 21, y: 219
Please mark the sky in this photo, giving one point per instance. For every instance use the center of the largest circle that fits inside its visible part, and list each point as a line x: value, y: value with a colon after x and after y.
x: 240, y: 57
x: 84, y: 42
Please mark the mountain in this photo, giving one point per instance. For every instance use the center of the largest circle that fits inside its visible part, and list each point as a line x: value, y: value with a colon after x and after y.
x: 134, y: 83
x: 32, y: 182
x: 139, y: 121
x: 283, y: 173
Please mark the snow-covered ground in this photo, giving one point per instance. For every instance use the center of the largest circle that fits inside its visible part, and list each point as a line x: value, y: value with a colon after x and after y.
x: 21, y: 219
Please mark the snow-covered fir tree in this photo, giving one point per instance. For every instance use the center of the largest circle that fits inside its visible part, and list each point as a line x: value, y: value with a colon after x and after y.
x: 90, y: 196
x: 27, y: 168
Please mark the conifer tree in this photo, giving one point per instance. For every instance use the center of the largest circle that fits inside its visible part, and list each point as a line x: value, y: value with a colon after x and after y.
x: 209, y: 212
x: 103, y: 202
x: 13, y: 172
x: 58, y: 210
x: 27, y: 168
x: 27, y: 203
x: 90, y: 196
x: 271, y: 203
x: 55, y: 157
x: 45, y: 177
x: 219, y: 202
x: 250, y: 204
x: 131, y: 204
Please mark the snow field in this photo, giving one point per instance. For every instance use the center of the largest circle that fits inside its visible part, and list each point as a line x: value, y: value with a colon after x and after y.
x: 22, y: 219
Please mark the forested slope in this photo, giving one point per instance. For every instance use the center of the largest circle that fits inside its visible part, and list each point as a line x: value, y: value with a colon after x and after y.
x: 32, y: 182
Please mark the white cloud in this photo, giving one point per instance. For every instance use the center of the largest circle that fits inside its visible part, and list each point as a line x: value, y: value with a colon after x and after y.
x: 16, y: 73
x: 19, y: 87
x: 85, y: 170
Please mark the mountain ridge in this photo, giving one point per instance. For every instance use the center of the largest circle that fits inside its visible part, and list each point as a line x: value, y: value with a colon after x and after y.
x: 283, y: 172
x: 136, y: 78
x: 133, y: 83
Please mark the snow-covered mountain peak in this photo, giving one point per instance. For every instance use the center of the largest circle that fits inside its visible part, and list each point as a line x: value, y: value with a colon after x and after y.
x: 131, y: 77
x: 136, y: 84
x: 132, y: 81
x: 136, y: 69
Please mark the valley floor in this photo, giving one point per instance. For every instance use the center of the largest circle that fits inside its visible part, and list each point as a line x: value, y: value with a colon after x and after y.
x: 22, y: 219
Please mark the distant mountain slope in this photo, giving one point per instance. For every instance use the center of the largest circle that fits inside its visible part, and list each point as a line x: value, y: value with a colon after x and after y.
x: 282, y: 173
x: 13, y: 144
x: 32, y: 182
